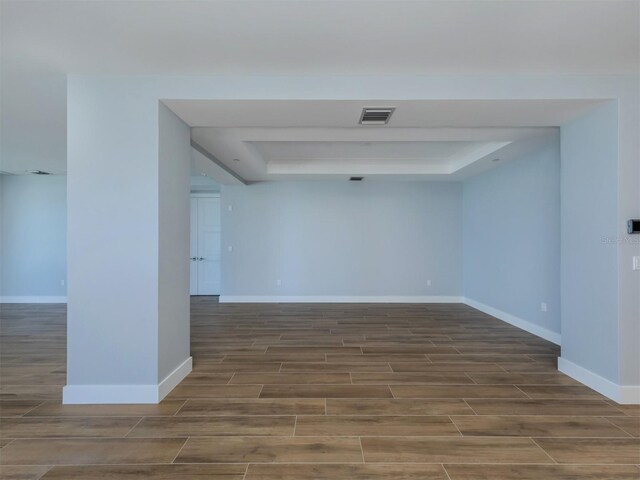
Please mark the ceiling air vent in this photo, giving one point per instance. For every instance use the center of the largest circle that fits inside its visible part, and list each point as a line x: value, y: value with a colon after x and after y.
x: 376, y: 115
x: 356, y: 179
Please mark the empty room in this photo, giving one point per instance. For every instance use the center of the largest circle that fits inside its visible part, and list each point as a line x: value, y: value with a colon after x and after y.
x: 320, y: 239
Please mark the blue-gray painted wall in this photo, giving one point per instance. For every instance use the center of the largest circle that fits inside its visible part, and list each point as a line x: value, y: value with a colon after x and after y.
x: 367, y: 238
x: 512, y: 237
x: 33, y: 217
x: 590, y: 242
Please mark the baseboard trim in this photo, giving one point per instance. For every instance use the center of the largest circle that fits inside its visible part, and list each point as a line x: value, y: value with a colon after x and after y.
x: 113, y: 394
x: 526, y: 325
x: 337, y: 299
x: 32, y: 299
x: 623, y: 394
x: 174, y: 378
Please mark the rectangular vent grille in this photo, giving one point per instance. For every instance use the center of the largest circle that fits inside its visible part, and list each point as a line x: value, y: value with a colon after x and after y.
x: 376, y: 115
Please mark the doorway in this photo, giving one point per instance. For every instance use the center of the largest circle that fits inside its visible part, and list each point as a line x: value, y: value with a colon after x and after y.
x: 204, y: 255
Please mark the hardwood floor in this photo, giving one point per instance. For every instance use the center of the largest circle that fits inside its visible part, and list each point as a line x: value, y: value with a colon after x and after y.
x: 312, y: 392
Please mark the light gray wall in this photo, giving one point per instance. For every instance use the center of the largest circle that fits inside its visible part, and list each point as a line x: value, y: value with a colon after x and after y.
x: 173, y: 293
x: 33, y: 239
x: 112, y: 236
x: 342, y: 239
x: 512, y: 238
x: 589, y: 262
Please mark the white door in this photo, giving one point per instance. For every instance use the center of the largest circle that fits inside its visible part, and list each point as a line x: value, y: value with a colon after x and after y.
x: 193, y: 248
x: 205, y: 246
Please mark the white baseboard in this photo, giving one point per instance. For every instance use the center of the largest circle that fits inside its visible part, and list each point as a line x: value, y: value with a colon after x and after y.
x: 31, y: 299
x: 526, y: 325
x: 174, y: 378
x: 623, y: 394
x: 337, y: 299
x: 102, y: 394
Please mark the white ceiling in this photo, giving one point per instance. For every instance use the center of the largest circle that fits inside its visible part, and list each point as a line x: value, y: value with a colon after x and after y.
x: 263, y: 154
x: 42, y: 41
x: 263, y: 140
x: 323, y: 36
x: 435, y: 152
x: 408, y: 113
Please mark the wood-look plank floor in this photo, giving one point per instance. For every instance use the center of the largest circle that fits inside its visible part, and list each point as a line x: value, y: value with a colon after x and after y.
x: 313, y: 392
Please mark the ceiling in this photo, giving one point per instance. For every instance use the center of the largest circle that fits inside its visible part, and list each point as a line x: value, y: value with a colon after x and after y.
x: 323, y: 36
x: 262, y: 140
x: 408, y: 113
x: 42, y: 41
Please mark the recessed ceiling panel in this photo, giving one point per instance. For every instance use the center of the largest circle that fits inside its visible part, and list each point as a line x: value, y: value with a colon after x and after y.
x: 422, y: 152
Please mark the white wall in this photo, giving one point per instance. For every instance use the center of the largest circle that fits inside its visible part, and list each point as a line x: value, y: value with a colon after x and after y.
x: 33, y: 223
x: 342, y: 239
x: 512, y: 240
x: 173, y: 256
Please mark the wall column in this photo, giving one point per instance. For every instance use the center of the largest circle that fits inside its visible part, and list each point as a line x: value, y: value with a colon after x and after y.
x: 128, y: 214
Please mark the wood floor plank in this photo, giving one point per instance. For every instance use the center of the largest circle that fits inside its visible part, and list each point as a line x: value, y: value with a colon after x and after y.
x: 403, y: 349
x: 271, y: 450
x: 592, y: 450
x: 70, y: 451
x: 573, y: 407
x: 540, y: 472
x: 345, y: 472
x: 457, y: 391
x: 233, y: 367
x: 326, y: 391
x: 528, y: 367
x: 56, y: 409
x: 258, y: 406
x: 276, y: 357
x: 208, y: 378
x: 32, y: 472
x: 452, y: 450
x: 361, y: 425
x: 369, y: 358
x: 631, y: 425
x: 215, y: 391
x: 39, y: 427
x: 289, y: 350
x: 410, y: 378
x: 156, y: 472
x: 488, y: 358
x: 397, y: 406
x: 522, y: 379
x: 430, y: 367
x: 536, y: 425
x: 297, y: 367
x: 190, y: 426
x: 291, y: 378
x: 17, y: 408
x: 631, y: 410
x: 559, y: 391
